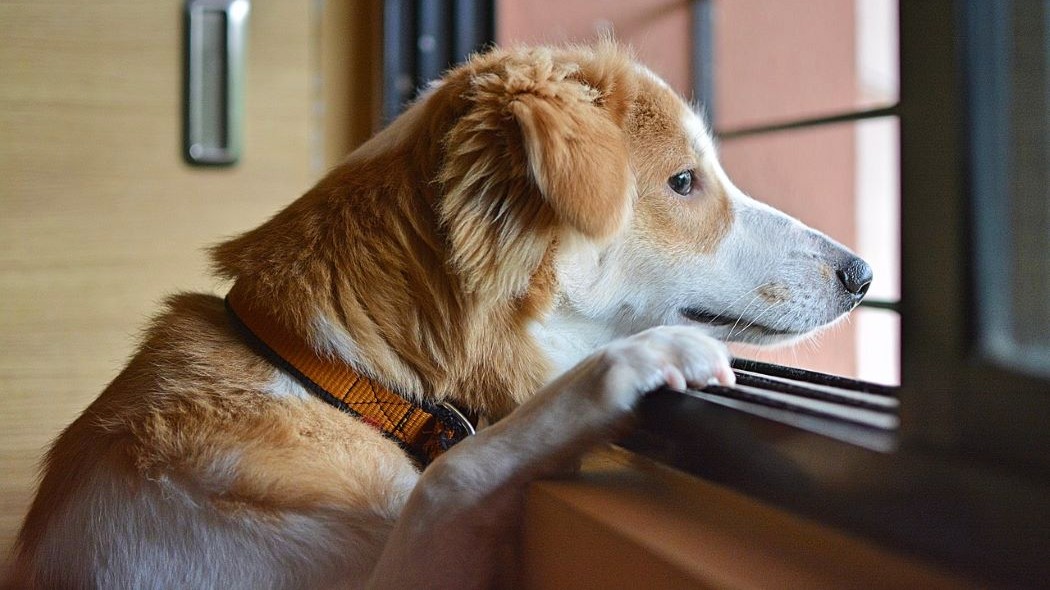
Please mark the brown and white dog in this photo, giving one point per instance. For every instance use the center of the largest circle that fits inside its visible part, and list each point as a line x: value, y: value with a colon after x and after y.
x: 542, y: 238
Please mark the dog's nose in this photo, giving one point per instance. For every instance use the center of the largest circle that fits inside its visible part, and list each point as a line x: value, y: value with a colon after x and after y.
x: 855, y: 276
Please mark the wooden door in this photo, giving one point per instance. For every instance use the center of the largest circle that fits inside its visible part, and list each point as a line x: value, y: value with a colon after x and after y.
x: 100, y: 218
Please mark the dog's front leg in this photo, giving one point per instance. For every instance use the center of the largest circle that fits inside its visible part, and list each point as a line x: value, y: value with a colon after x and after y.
x: 466, y: 505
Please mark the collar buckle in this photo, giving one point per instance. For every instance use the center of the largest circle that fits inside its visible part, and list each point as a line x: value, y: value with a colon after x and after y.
x: 459, y: 417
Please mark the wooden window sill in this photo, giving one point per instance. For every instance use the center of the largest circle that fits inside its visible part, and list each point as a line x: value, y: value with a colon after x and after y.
x: 628, y: 522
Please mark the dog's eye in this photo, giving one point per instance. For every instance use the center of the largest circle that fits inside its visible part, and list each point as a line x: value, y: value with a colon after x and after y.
x: 681, y: 183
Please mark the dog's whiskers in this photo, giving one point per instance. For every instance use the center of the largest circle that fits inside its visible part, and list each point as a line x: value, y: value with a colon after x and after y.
x: 734, y: 302
x: 741, y: 316
x: 759, y: 316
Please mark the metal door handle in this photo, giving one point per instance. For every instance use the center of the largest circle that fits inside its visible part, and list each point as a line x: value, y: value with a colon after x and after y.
x: 214, y: 92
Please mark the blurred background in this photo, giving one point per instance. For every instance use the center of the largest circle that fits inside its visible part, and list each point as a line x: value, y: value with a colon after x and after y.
x: 104, y: 212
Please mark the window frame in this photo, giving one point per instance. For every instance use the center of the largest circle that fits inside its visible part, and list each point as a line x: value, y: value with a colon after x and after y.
x: 958, y: 400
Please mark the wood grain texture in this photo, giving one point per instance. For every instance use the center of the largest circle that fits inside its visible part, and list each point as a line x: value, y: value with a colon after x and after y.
x: 100, y: 216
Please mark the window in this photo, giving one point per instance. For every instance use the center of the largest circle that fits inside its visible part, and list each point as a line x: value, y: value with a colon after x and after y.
x: 802, y: 95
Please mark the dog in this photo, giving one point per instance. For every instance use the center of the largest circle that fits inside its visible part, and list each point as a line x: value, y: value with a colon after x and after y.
x: 544, y: 236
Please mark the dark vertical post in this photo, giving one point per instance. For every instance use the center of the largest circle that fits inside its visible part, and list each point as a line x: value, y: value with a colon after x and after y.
x: 422, y: 38
x: 433, y: 42
x: 473, y: 27
x: 399, y: 56
x: 703, y: 57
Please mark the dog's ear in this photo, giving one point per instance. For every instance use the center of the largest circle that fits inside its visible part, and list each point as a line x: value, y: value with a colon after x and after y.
x: 577, y: 156
x: 540, y: 148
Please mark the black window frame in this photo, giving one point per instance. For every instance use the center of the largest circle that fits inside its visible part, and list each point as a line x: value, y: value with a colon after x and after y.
x: 960, y: 398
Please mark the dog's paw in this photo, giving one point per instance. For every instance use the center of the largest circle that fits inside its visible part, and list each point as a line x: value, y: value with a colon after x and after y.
x: 675, y: 356
x: 588, y: 403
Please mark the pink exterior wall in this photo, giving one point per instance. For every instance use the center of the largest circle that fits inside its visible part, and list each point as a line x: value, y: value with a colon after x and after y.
x: 657, y: 29
x: 783, y: 60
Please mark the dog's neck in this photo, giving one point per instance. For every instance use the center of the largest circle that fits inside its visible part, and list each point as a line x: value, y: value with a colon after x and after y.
x: 566, y: 336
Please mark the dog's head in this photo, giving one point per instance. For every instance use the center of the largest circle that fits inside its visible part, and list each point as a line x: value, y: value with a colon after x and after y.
x: 652, y: 231
x: 541, y: 200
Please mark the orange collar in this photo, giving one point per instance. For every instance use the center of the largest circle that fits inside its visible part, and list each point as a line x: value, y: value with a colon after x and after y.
x: 423, y: 430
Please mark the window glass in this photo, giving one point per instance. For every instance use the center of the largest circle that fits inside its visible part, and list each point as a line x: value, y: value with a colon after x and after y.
x: 1030, y: 190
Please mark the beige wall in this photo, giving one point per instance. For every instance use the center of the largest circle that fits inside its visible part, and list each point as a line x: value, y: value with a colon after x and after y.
x: 101, y: 218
